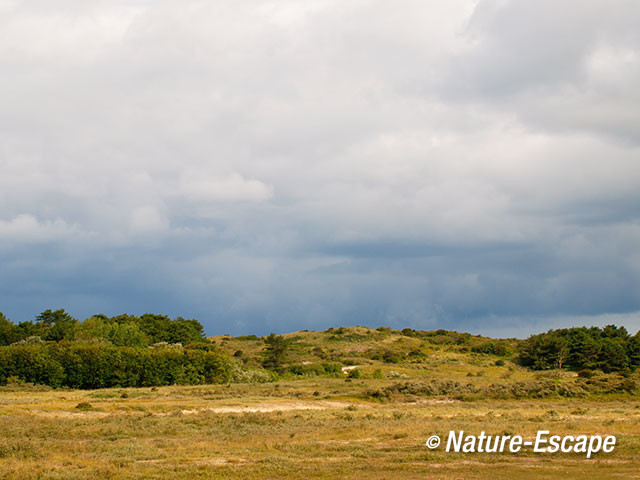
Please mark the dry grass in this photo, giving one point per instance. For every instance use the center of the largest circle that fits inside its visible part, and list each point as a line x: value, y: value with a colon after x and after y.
x: 314, y: 428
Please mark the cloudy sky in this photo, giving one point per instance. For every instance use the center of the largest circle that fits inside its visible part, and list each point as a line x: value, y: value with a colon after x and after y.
x: 280, y: 165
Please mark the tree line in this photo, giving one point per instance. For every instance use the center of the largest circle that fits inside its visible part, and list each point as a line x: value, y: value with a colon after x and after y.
x: 122, y: 351
x: 82, y: 365
x: 610, y: 349
x: 121, y: 330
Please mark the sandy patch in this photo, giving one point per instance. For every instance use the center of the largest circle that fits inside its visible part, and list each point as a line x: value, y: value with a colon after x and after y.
x: 267, y: 407
x: 65, y: 414
x: 262, y: 407
x: 221, y: 461
x: 434, y: 401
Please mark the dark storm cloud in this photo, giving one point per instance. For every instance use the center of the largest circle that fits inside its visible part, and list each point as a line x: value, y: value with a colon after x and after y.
x: 284, y: 165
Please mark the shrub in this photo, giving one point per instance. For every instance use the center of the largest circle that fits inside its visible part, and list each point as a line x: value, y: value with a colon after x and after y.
x: 492, y: 348
x: 389, y: 356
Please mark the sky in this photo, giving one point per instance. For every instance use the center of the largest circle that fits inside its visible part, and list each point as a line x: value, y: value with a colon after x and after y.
x: 271, y: 166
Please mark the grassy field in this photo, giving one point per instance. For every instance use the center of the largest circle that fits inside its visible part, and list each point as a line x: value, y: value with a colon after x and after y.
x: 288, y: 430
x: 300, y: 426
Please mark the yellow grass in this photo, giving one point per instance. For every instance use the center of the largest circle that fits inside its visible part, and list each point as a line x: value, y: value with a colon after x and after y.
x: 314, y: 428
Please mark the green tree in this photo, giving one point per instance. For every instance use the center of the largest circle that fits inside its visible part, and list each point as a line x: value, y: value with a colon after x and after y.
x: 609, y: 349
x: 9, y: 331
x: 127, y: 335
x: 276, y: 349
x: 185, y: 331
x: 633, y: 350
x: 56, y: 325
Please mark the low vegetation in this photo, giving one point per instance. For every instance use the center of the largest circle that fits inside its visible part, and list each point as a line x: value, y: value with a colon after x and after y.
x: 151, y: 397
x: 153, y: 350
x: 320, y: 428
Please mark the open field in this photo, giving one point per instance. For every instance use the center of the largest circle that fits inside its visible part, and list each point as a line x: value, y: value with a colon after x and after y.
x: 344, y: 403
x: 310, y: 428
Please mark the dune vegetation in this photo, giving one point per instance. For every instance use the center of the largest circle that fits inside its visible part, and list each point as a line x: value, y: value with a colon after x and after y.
x: 351, y: 402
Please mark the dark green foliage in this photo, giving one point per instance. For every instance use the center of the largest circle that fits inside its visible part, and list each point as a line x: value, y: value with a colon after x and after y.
x: 386, y: 355
x: 161, y: 328
x: 30, y: 363
x: 275, y: 351
x: 496, y: 347
x: 247, y: 337
x: 633, y: 349
x: 55, y: 325
x: 355, y: 373
x: 389, y: 356
x: 49, y: 325
x: 9, y: 332
x: 316, y: 369
x: 445, y: 337
x: 28, y: 329
x: 81, y: 365
x: 409, y: 332
x: 417, y: 354
x: 609, y: 349
x: 122, y: 330
x: 108, y: 352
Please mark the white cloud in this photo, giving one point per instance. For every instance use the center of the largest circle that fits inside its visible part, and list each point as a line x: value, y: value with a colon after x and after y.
x: 335, y: 151
x: 147, y: 219
x: 25, y: 228
x: 232, y: 188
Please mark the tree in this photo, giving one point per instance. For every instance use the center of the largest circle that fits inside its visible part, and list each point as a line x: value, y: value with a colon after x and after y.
x: 609, y: 349
x: 56, y: 325
x: 275, y: 351
x: 9, y: 331
x: 185, y: 331
x: 633, y: 350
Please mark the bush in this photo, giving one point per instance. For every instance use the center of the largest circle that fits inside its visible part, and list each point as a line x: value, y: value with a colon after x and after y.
x: 497, y: 347
x: 30, y: 363
x: 389, y: 356
x: 316, y: 369
x: 100, y: 365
